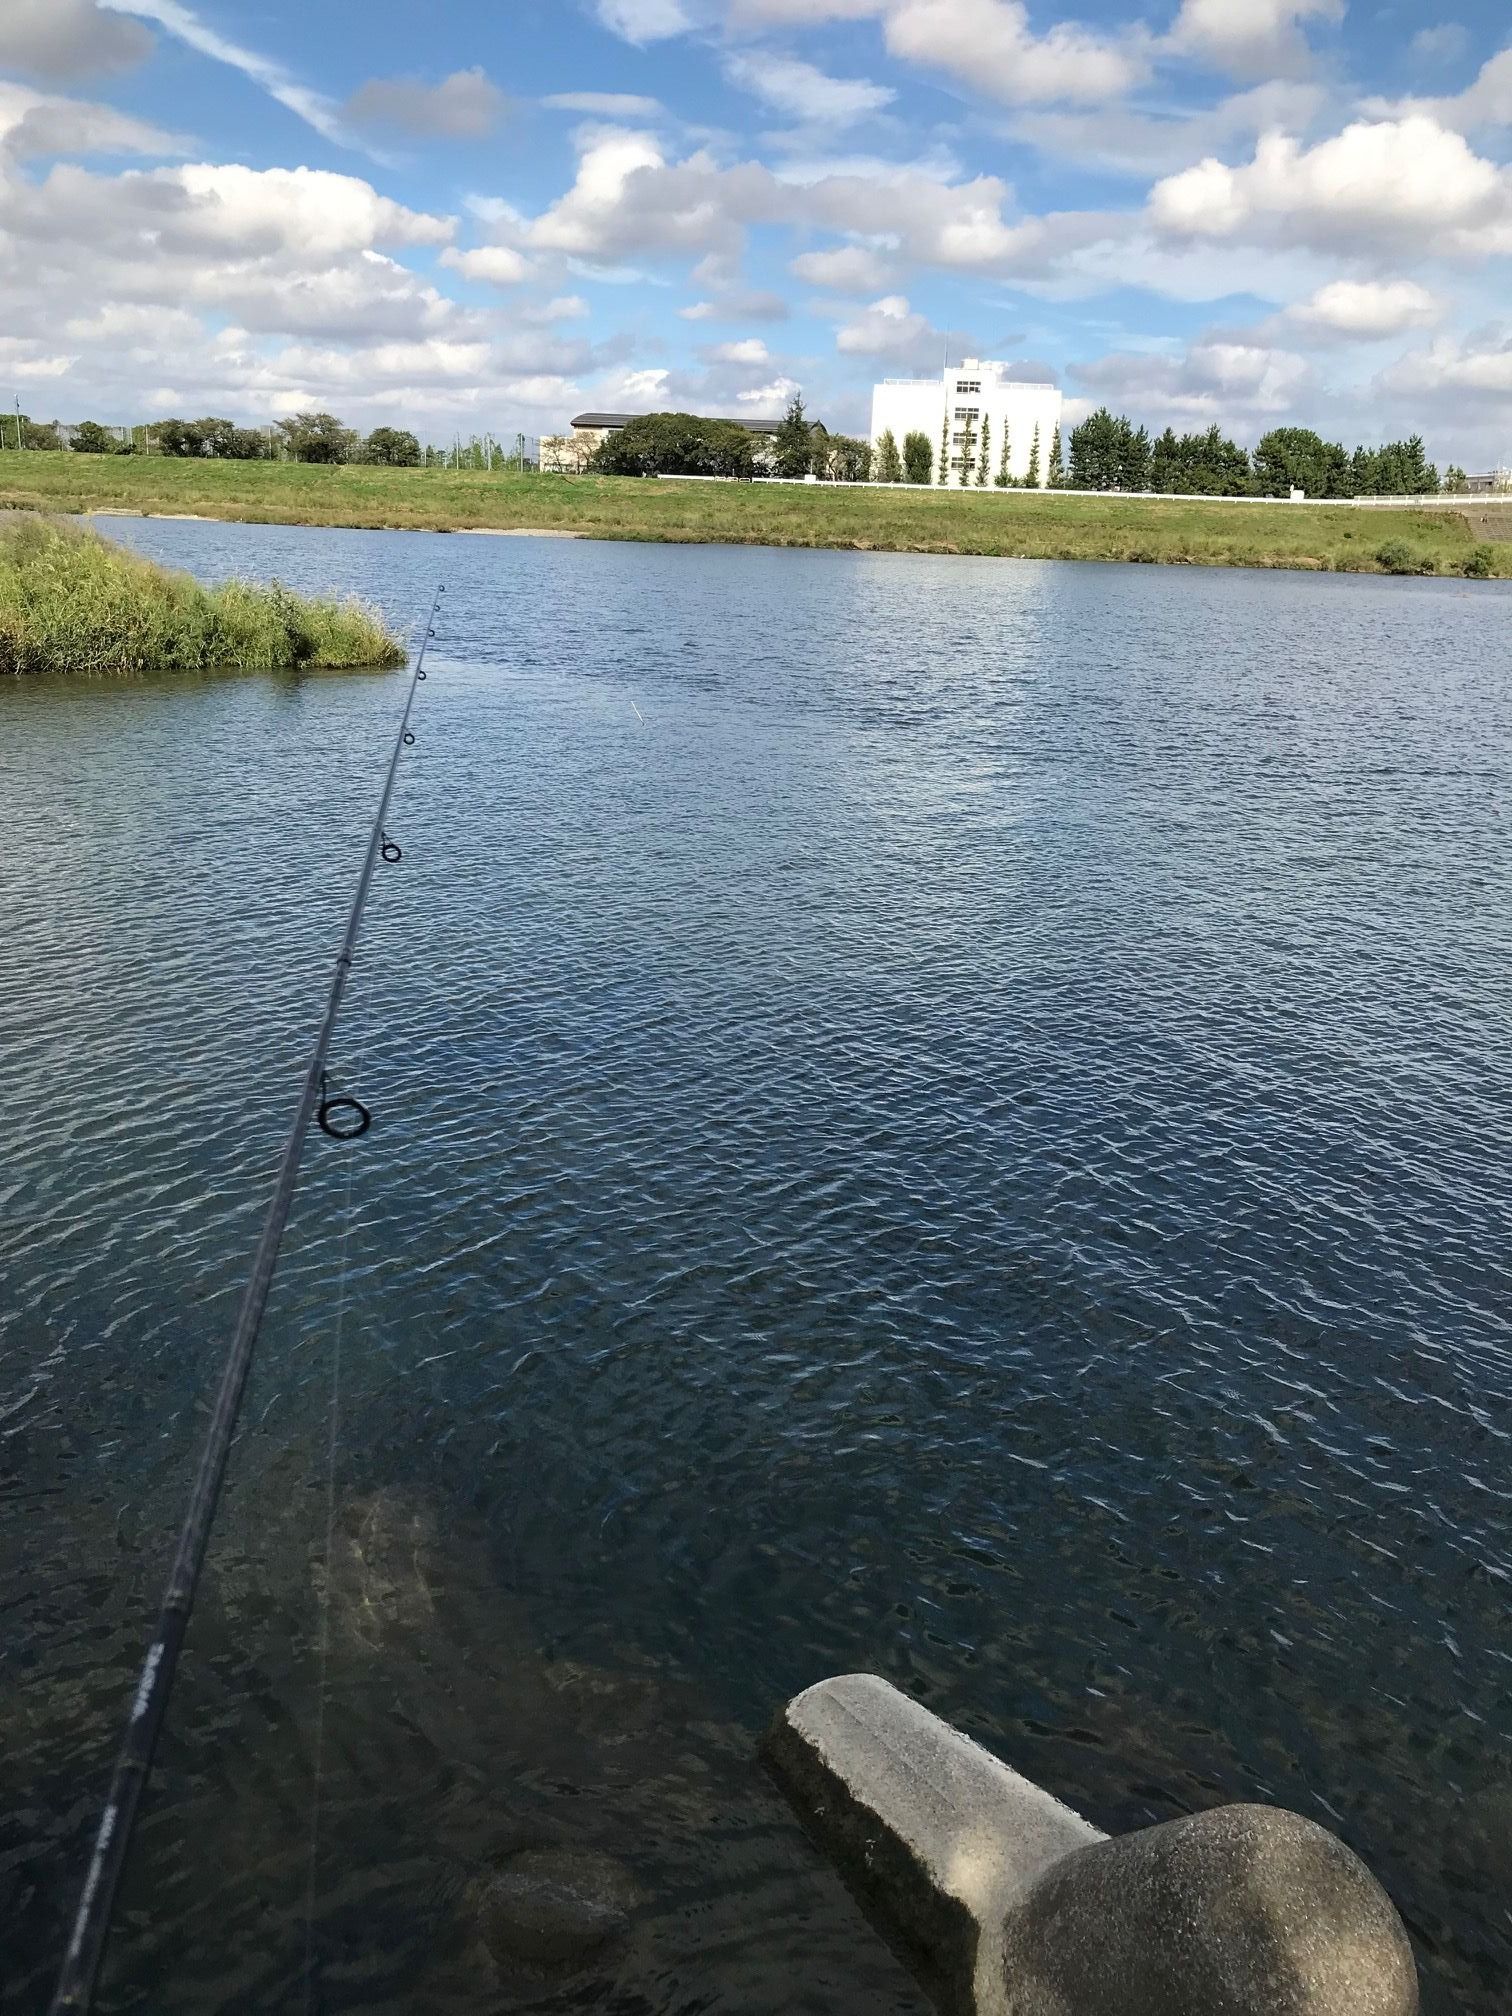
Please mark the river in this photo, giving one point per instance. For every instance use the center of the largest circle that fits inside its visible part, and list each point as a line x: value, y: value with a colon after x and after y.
x: 940, y: 1116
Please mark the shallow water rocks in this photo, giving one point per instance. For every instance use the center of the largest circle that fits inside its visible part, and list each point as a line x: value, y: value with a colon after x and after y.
x: 1006, y: 1903
x: 554, y: 1908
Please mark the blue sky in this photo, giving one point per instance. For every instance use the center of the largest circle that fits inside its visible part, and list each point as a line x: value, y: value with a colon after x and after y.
x: 471, y: 215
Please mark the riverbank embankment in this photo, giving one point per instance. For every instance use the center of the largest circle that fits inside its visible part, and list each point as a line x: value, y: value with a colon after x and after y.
x: 1171, y: 531
x: 75, y: 605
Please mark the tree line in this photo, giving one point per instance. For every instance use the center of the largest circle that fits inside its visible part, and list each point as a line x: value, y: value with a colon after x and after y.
x: 682, y: 444
x: 1108, y: 452
x: 306, y: 437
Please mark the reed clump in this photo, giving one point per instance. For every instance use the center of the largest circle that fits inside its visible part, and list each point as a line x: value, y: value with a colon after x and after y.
x: 74, y: 604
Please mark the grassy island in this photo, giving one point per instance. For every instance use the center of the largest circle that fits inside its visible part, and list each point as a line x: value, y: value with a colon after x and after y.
x: 1475, y: 542
x: 73, y: 603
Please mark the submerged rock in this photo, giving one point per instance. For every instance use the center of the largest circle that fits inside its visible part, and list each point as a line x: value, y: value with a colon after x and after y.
x: 554, y: 1908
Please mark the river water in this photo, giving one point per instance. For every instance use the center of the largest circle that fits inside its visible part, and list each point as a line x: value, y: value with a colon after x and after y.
x: 940, y: 1116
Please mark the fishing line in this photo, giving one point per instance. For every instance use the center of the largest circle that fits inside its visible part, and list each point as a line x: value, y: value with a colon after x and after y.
x: 86, y: 1947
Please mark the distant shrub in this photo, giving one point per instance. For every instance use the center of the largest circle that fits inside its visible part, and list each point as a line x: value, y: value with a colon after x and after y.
x: 1397, y: 557
x: 1479, y: 564
x: 74, y: 603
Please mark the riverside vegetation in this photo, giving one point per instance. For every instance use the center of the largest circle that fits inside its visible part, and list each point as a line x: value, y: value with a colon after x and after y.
x: 1476, y: 543
x: 73, y: 603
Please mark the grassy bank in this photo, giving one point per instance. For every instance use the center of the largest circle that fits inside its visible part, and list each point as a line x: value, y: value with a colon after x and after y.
x: 989, y: 522
x: 73, y: 603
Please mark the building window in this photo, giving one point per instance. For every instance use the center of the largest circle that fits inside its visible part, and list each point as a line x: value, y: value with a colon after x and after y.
x: 968, y: 412
x: 967, y: 385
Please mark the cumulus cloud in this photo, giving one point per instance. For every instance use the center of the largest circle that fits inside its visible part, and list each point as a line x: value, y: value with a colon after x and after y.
x: 991, y: 46
x: 1137, y: 142
x: 465, y: 106
x: 1451, y: 368
x: 64, y: 40
x: 1485, y: 104
x: 1251, y: 38
x: 642, y: 21
x: 750, y: 351
x: 628, y: 198
x: 1385, y: 183
x: 889, y: 328
x: 848, y: 269
x: 499, y: 265
x: 1368, y: 309
x: 798, y: 90
x: 34, y: 125
x: 1216, y: 380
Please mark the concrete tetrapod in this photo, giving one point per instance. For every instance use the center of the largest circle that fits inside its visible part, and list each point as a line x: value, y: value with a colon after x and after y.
x: 1006, y: 1903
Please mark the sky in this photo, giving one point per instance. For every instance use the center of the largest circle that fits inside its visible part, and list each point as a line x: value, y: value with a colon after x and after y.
x: 489, y: 215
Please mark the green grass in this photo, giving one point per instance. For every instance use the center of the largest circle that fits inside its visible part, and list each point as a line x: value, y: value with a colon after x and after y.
x: 74, y: 604
x: 1436, y: 541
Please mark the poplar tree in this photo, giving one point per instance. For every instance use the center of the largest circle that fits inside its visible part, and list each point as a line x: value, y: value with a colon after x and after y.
x: 889, y: 465
x: 1034, y: 462
x: 1057, y: 464
x: 918, y: 457
x: 984, y: 464
x: 944, y: 475
x: 1003, y: 480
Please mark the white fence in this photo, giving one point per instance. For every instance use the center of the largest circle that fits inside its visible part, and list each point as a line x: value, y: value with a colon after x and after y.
x: 1441, y: 501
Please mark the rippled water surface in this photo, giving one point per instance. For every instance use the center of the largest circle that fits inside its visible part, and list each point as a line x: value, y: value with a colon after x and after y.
x: 941, y: 1116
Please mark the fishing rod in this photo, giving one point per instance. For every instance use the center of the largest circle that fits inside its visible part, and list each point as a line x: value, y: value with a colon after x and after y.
x: 343, y: 1119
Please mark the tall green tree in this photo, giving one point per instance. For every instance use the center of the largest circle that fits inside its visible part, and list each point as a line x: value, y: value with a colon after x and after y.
x: 984, y: 463
x: 1295, y: 458
x: 1003, y: 478
x: 90, y: 438
x: 793, y: 447
x: 1032, y: 481
x: 392, y: 448
x: 889, y: 464
x: 1199, y: 465
x: 679, y: 444
x: 1057, y: 463
x: 318, y: 437
x: 918, y: 457
x: 943, y: 475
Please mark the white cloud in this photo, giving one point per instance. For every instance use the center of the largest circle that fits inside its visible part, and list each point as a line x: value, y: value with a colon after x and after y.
x: 1368, y: 309
x: 1484, y: 104
x: 642, y: 21
x: 63, y: 40
x: 767, y: 402
x: 1140, y: 143
x: 605, y: 104
x: 628, y: 199
x: 751, y: 351
x: 1385, y: 183
x: 1449, y: 368
x: 1213, y: 381
x: 499, y: 265
x: 33, y: 125
x: 798, y: 90
x: 1252, y: 38
x: 849, y: 269
x: 1444, y: 44
x: 990, y: 45
x: 465, y: 106
x: 888, y: 328
x: 180, y: 21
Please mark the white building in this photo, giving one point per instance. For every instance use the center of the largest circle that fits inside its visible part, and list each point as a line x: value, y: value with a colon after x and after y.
x: 966, y: 399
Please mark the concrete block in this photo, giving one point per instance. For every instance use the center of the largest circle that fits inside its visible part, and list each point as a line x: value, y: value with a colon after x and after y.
x: 1006, y: 1903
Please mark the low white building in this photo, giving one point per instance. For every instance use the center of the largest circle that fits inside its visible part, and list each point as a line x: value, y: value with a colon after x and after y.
x: 959, y: 405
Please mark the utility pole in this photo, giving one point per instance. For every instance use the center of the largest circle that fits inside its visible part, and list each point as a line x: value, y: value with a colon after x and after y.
x: 20, y: 444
